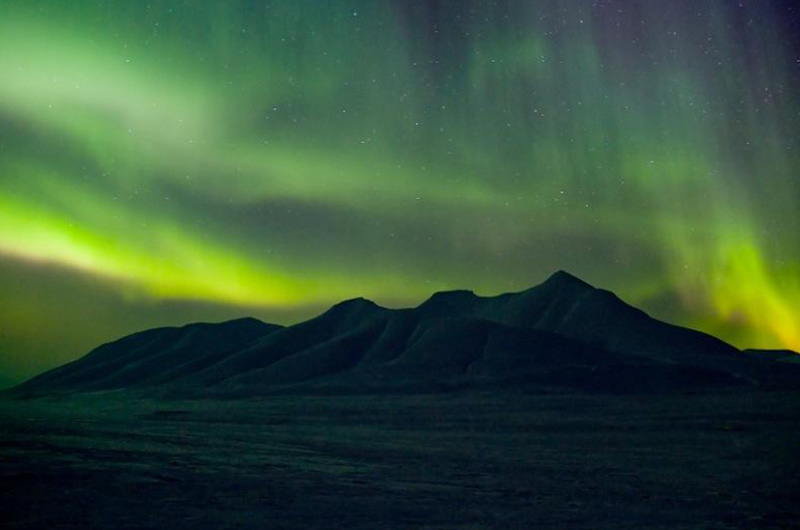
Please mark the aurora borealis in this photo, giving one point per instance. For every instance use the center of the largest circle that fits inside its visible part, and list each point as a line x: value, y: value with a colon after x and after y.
x: 170, y: 161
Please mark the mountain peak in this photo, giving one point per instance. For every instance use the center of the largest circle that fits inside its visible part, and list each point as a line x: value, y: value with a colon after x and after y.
x: 456, y: 293
x: 563, y: 278
x: 353, y: 310
x: 247, y: 321
x: 356, y: 302
x: 243, y: 323
x: 449, y: 297
x: 449, y: 302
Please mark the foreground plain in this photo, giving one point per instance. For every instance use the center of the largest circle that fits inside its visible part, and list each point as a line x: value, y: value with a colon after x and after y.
x: 712, y: 461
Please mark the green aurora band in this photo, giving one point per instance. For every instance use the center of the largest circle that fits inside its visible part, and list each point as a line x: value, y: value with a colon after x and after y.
x: 172, y: 160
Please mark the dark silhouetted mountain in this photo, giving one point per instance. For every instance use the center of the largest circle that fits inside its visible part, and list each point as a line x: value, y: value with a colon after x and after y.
x: 786, y: 356
x: 562, y: 334
x: 153, y: 357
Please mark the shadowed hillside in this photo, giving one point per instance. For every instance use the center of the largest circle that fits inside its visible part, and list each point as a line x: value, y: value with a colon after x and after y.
x: 562, y: 334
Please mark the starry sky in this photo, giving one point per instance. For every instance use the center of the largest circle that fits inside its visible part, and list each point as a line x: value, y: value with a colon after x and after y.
x: 164, y: 162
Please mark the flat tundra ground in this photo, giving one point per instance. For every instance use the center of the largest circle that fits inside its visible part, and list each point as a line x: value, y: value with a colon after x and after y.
x: 701, y: 461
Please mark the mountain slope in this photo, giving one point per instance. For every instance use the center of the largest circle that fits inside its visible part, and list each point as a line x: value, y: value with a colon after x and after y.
x: 563, y: 333
x: 151, y: 357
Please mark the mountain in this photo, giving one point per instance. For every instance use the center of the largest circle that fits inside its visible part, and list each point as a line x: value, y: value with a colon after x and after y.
x: 786, y: 356
x: 153, y: 357
x: 563, y: 334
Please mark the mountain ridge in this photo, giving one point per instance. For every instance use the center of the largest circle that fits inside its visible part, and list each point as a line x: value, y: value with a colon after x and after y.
x: 561, y: 334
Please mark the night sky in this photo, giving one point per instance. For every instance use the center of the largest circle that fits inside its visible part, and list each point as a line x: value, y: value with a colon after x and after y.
x: 163, y: 162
